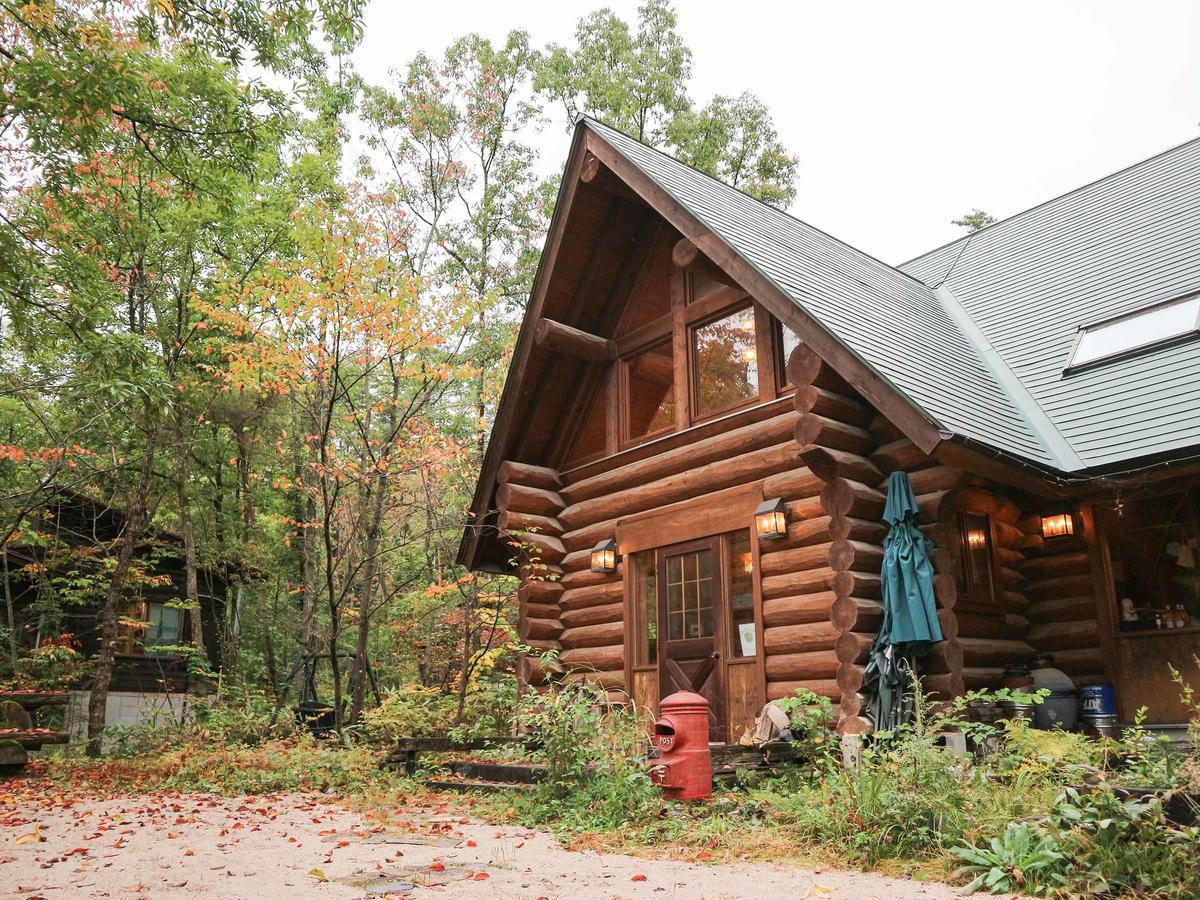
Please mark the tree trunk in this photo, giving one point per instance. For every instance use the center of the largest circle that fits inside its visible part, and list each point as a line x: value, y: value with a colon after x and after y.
x: 188, y: 533
x: 136, y: 517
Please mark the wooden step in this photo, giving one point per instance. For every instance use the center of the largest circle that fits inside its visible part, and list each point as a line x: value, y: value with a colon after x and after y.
x: 464, y: 785
x: 509, y: 773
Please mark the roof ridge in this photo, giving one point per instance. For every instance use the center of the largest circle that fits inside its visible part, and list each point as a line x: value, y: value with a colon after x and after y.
x: 1055, y: 443
x: 1047, y: 202
x: 774, y: 209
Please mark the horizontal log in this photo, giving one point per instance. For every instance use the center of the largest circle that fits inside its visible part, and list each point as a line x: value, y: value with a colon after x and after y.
x: 948, y: 622
x: 776, y: 562
x: 855, y: 556
x: 803, y: 510
x: 993, y: 652
x: 843, y: 497
x: 979, y: 625
x: 944, y: 658
x: 980, y: 678
x: 510, y: 472
x: 1017, y: 625
x: 579, y: 561
x: 540, y: 610
x: 522, y: 498
x: 885, y: 430
x: 599, y: 635
x: 1057, y: 564
x: 794, y: 484
x: 851, y: 705
x: 568, y: 341
x: 539, y: 629
x: 532, y: 670
x: 828, y: 463
x: 943, y: 687
x: 813, y: 429
x: 799, y: 638
x: 544, y: 547
x: 801, y: 610
x: 900, y: 454
x: 1009, y: 535
x: 609, y: 679
x: 805, y: 367
x: 824, y: 687
x: 811, y: 399
x: 793, y: 583
x: 537, y: 590
x: 945, y: 590
x: 585, y: 577
x: 515, y: 522
x: 857, y: 614
x: 538, y: 571
x: 588, y: 537
x: 937, y: 506
x: 1055, y: 636
x: 936, y: 478
x: 1009, y: 579
x: 986, y: 503
x: 602, y: 659
x: 1086, y: 661
x: 1015, y: 601
x: 1014, y: 559
x: 856, y: 584
x: 819, y: 664
x: 1062, y: 586
x: 705, y: 479
x: 1064, y: 609
x: 593, y: 615
x: 735, y: 442
x: 588, y: 595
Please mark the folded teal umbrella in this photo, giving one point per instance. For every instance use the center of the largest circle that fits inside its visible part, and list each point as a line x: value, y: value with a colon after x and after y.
x: 910, y: 626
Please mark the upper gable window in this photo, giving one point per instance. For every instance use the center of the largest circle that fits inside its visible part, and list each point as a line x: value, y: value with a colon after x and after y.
x: 1114, y: 338
x: 725, y: 356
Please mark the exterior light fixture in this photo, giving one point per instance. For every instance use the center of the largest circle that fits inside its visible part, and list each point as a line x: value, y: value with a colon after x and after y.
x: 770, y: 520
x: 604, y: 557
x: 976, y: 539
x: 1058, y: 525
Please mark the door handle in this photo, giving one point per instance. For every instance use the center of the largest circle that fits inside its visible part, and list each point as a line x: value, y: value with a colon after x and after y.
x: 714, y: 655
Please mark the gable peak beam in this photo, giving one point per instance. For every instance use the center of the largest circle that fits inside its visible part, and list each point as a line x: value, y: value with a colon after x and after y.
x: 559, y: 338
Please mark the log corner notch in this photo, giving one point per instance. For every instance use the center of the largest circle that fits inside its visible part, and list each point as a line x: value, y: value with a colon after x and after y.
x: 568, y: 341
x: 529, y: 503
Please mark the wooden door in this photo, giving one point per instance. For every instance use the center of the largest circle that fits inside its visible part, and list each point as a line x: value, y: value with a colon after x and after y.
x: 690, y: 589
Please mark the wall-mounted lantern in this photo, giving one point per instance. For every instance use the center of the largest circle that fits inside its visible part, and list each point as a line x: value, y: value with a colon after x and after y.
x: 1058, y: 525
x: 604, y: 557
x: 770, y: 519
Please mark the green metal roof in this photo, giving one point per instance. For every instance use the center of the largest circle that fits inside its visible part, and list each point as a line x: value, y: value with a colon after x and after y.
x: 976, y: 334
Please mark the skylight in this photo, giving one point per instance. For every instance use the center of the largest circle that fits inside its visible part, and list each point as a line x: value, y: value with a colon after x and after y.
x: 1166, y: 322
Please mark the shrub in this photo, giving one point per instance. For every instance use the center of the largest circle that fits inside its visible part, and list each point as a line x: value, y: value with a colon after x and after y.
x: 1026, y: 860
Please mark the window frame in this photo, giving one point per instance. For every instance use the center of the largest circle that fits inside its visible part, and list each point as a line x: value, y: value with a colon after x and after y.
x: 1192, y: 334
x: 679, y: 326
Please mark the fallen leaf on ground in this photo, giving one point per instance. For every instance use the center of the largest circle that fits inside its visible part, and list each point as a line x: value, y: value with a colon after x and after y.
x: 317, y: 874
x: 638, y: 877
x: 34, y: 836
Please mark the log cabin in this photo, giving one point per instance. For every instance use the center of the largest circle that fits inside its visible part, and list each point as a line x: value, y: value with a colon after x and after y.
x: 697, y: 370
x: 57, y: 576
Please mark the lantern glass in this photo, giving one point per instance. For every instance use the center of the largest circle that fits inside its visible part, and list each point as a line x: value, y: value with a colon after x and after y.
x: 770, y: 520
x: 976, y: 539
x: 1058, y: 525
x: 604, y: 556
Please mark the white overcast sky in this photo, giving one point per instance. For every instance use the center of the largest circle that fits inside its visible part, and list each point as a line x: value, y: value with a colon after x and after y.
x: 903, y: 114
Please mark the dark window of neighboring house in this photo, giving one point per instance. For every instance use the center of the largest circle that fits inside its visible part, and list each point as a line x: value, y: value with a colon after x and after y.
x: 166, y: 625
x: 650, y: 391
x: 1154, y: 548
x: 975, y: 569
x: 725, y: 362
x: 590, y: 442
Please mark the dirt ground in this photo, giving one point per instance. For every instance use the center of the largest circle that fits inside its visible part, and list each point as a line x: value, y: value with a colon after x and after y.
x: 293, y: 846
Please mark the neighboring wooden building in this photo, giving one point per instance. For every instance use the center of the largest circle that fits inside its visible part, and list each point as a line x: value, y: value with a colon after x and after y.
x: 689, y: 354
x: 77, y: 532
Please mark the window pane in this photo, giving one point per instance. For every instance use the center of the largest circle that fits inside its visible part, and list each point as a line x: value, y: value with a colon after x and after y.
x: 645, y: 609
x: 690, y: 595
x: 726, y: 362
x: 977, y: 558
x: 788, y: 341
x: 1158, y: 324
x: 166, y: 625
x: 741, y: 595
x: 1155, y: 548
x: 651, y: 382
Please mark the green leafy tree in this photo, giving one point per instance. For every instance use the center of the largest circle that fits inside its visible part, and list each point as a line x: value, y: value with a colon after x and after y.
x: 974, y: 220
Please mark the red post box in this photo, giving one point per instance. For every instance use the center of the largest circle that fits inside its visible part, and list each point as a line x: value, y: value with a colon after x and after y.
x: 684, y: 771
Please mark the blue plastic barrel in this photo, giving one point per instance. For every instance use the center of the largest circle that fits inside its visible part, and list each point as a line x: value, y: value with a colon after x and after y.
x: 1097, y: 701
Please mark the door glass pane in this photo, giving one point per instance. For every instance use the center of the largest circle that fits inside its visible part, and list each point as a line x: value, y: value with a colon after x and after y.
x: 726, y: 362
x: 645, y: 609
x: 788, y: 341
x: 977, y: 558
x: 690, y: 595
x: 650, y: 377
x: 741, y: 595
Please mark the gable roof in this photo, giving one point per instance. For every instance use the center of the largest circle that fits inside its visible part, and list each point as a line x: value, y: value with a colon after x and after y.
x: 972, y: 337
x: 1029, y: 282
